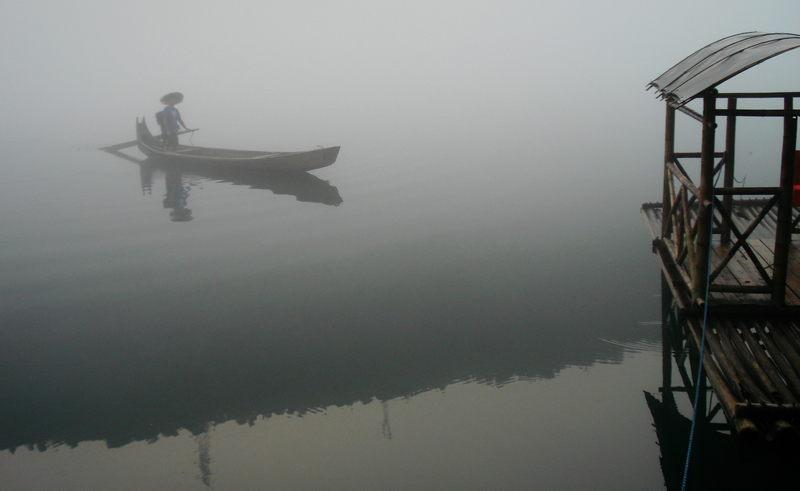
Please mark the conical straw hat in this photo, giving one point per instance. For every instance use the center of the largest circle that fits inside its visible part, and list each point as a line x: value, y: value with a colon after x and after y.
x: 172, y: 98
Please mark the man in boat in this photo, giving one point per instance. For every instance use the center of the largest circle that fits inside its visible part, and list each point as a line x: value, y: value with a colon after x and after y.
x: 171, y: 118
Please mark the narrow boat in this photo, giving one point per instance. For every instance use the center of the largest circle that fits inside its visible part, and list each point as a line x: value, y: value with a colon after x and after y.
x: 233, y: 159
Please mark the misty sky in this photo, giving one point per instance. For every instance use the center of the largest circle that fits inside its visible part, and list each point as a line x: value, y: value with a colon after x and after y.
x: 391, y: 75
x: 495, y: 129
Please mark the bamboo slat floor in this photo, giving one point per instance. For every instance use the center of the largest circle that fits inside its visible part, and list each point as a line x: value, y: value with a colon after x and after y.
x: 753, y: 366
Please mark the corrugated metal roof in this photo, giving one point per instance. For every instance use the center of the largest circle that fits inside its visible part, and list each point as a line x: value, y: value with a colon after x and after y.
x: 718, y: 62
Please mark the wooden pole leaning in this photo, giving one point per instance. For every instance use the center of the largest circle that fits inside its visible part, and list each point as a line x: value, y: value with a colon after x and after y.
x: 783, y: 232
x: 704, y: 218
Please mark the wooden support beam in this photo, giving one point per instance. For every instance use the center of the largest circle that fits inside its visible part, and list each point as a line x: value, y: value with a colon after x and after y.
x: 695, y: 155
x: 681, y: 176
x: 689, y: 234
x: 674, y: 280
x: 669, y: 248
x: 719, y: 165
x: 741, y: 241
x: 757, y: 95
x: 666, y: 344
x: 700, y: 385
x: 686, y: 236
x: 704, y: 219
x: 730, y: 157
x: 783, y: 234
x: 672, y: 221
x: 669, y: 150
x: 680, y: 167
x: 691, y: 113
x: 795, y: 222
x: 760, y: 113
x: 678, y: 225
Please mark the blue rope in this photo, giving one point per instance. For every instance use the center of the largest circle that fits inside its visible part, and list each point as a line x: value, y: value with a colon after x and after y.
x: 702, y: 349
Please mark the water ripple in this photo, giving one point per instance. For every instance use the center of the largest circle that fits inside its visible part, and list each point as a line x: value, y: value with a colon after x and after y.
x: 641, y: 346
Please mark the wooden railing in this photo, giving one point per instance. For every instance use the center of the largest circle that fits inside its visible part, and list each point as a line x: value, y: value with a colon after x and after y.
x: 680, y: 226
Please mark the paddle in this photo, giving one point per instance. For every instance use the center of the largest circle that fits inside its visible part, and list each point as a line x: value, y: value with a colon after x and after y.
x: 120, y: 146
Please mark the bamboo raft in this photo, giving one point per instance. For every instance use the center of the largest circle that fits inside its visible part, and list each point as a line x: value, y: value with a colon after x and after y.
x: 752, y: 351
x: 752, y: 365
x: 732, y: 262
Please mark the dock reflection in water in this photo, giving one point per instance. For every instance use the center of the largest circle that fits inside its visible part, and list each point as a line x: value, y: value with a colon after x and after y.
x: 718, y: 460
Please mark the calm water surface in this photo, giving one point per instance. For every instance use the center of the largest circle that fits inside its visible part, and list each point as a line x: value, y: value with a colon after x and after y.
x: 417, y: 320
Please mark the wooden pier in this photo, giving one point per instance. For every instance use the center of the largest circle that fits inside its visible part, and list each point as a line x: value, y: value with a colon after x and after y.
x: 752, y: 351
x: 731, y: 255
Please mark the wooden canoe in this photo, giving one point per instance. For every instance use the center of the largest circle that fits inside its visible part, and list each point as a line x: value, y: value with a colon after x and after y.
x: 233, y: 159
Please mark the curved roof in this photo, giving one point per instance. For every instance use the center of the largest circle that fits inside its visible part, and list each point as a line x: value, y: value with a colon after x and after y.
x: 719, y: 61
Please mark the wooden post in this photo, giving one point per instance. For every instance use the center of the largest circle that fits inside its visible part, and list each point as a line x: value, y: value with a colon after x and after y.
x: 783, y: 232
x: 667, y: 333
x: 699, y: 403
x: 669, y: 156
x: 705, y: 221
x: 730, y: 157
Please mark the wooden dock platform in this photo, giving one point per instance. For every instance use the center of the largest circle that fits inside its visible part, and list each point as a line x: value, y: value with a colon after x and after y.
x: 730, y: 253
x: 752, y: 351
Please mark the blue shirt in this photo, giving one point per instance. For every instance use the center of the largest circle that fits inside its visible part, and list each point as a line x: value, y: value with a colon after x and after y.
x: 171, y: 116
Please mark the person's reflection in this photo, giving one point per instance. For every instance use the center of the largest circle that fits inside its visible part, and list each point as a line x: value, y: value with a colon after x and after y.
x: 176, y: 198
x: 146, y: 175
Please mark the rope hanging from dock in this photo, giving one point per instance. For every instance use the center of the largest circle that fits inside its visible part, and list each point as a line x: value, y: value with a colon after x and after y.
x: 702, y: 349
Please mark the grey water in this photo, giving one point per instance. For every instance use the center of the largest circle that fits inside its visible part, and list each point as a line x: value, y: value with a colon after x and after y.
x: 413, y: 320
x: 405, y: 321
x: 465, y: 300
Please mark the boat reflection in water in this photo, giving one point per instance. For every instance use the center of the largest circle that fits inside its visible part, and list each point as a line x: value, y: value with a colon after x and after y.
x: 302, y: 185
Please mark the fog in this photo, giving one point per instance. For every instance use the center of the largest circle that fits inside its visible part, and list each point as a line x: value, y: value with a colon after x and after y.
x: 550, y: 96
x: 494, y: 156
x: 371, y: 76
